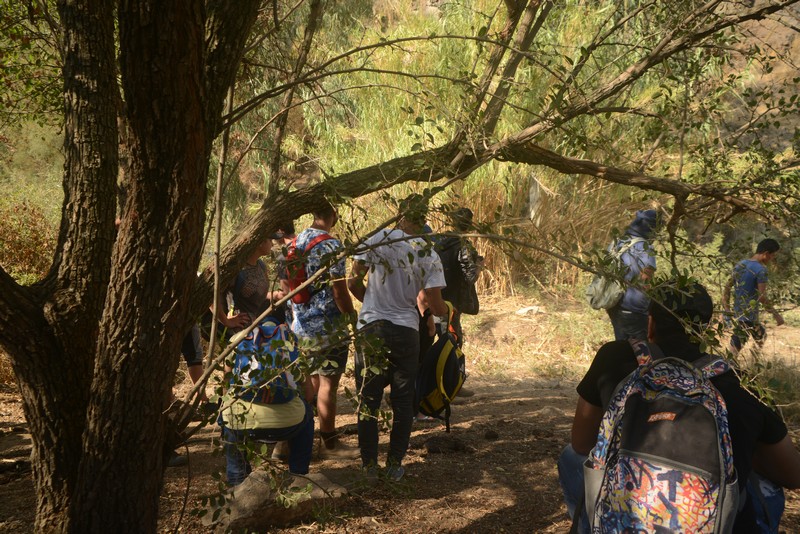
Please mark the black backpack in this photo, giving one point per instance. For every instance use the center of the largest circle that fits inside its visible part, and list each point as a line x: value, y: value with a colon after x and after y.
x: 460, y: 291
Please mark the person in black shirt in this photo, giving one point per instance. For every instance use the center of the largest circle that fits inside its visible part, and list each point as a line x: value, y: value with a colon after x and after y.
x: 759, y: 436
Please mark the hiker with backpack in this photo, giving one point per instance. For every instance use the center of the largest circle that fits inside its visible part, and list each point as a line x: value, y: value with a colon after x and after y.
x: 320, y: 313
x: 629, y: 315
x: 264, y: 402
x: 659, y: 422
x: 462, y: 265
x: 399, y: 266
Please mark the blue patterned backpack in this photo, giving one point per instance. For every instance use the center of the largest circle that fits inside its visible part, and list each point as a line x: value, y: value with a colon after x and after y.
x: 259, y: 368
x: 663, y: 461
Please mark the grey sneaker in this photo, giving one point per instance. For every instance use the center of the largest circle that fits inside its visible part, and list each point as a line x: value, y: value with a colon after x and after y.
x: 395, y: 473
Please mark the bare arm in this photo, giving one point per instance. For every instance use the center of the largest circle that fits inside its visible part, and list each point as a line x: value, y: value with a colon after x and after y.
x: 342, y: 297
x: 356, y: 281
x: 764, y: 300
x: 422, y: 302
x: 585, y: 426
x: 240, y: 320
x: 779, y: 463
x: 726, y: 295
x: 433, y: 296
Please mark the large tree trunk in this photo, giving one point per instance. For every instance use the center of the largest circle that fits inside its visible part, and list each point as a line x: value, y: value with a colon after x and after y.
x: 153, y: 266
x: 101, y: 344
x: 58, y: 318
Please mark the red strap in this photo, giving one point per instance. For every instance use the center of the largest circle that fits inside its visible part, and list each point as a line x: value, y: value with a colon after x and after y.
x: 292, y: 253
x: 314, y: 242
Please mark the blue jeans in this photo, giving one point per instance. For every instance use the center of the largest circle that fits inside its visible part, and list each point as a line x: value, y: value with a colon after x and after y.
x: 768, y: 503
x: 402, y: 344
x: 743, y: 329
x: 299, y: 436
x: 628, y: 324
x: 570, y: 477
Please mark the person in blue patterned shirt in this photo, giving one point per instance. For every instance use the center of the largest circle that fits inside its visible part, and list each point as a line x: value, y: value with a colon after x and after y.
x: 320, y: 323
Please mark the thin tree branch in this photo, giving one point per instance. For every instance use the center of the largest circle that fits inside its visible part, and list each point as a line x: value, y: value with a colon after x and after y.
x: 314, y: 17
x: 536, y: 155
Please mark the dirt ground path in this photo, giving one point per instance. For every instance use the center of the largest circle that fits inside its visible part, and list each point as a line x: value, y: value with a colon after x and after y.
x: 507, y: 436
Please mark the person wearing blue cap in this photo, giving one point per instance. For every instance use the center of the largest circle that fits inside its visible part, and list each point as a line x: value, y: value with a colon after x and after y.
x: 629, y: 317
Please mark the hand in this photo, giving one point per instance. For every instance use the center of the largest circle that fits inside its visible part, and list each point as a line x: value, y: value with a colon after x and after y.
x: 431, y: 326
x: 240, y: 320
x: 440, y: 325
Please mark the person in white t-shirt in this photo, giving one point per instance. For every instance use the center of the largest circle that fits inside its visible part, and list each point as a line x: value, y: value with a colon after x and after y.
x: 401, y: 268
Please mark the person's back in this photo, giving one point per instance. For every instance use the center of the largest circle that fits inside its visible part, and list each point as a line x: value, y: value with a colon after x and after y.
x: 262, y: 401
x: 757, y: 433
x: 629, y: 316
x: 317, y: 319
x: 747, y: 275
x: 398, y: 267
x: 637, y: 259
x: 311, y: 317
x: 403, y: 272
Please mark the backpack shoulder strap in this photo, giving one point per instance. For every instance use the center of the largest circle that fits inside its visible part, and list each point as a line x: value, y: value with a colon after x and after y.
x: 626, y: 246
x: 712, y: 365
x: 644, y: 351
x: 291, y: 249
x: 314, y: 242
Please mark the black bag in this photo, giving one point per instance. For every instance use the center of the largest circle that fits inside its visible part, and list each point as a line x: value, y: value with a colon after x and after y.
x: 456, y: 260
x: 440, y: 377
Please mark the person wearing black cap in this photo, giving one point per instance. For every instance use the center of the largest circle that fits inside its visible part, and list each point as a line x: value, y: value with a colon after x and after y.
x: 629, y: 317
x: 759, y: 436
x: 462, y: 265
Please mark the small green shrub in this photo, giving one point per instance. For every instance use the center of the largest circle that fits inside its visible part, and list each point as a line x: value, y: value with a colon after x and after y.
x: 27, y: 242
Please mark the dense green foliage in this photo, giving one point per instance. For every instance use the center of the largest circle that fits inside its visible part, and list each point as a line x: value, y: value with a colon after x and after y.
x: 381, y: 80
x: 30, y: 88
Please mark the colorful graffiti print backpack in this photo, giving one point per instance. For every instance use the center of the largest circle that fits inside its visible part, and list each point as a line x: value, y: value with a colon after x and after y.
x: 260, y: 365
x: 663, y: 460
